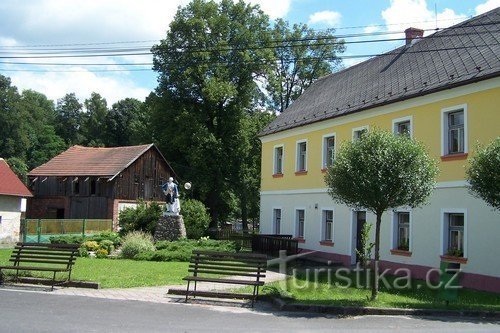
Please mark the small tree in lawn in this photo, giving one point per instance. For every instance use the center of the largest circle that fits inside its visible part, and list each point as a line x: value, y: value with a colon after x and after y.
x: 378, y: 172
x: 484, y: 174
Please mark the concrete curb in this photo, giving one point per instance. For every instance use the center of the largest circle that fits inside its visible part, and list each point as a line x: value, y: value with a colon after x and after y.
x: 48, y: 282
x: 283, y: 305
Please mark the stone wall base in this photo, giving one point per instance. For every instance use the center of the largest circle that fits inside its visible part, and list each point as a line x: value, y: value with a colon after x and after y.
x: 170, y: 228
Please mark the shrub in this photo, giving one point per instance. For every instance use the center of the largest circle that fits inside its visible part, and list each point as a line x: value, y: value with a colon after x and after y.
x: 136, y: 242
x: 101, y: 254
x: 83, y: 252
x: 114, y: 237
x: 143, y: 218
x: 181, y: 250
x: 91, y: 245
x: 107, y: 245
x: 196, y: 218
x: 66, y: 239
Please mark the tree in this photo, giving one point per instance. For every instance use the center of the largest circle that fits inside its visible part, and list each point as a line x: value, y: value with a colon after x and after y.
x: 69, y: 119
x: 378, y: 172
x: 94, y: 123
x: 484, y: 174
x: 12, y: 124
x: 39, y: 117
x: 20, y: 168
x: 207, y: 66
x: 126, y: 123
x: 302, y: 55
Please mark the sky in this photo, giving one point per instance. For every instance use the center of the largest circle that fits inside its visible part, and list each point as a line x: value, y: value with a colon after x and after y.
x: 34, y: 26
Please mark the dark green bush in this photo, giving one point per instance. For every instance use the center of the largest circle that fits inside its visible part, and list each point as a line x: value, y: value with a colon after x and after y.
x: 196, y: 218
x: 181, y: 250
x: 66, y: 239
x: 114, y: 237
x: 143, y: 218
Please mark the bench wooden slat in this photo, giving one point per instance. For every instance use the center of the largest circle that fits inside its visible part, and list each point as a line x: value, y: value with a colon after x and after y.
x: 43, y: 261
x: 229, y: 281
x: 229, y: 263
x: 231, y: 254
x: 224, y: 267
x: 41, y: 248
x: 223, y: 272
x: 209, y: 294
x: 236, y: 260
x: 38, y: 268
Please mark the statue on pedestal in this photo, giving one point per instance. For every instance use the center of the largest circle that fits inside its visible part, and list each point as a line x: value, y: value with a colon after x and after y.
x: 171, y: 191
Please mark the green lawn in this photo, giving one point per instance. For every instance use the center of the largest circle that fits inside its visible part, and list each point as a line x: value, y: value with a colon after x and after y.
x: 113, y: 273
x: 327, y: 293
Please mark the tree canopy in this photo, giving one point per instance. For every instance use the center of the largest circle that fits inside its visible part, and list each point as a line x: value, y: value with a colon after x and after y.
x: 483, y: 174
x: 378, y: 172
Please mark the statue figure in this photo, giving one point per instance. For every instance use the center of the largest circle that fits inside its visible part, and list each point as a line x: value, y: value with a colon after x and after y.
x: 171, y: 191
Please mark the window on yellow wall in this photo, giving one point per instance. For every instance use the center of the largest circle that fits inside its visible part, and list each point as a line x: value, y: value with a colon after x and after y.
x: 328, y: 150
x: 454, y: 131
x: 278, y: 160
x: 302, y: 156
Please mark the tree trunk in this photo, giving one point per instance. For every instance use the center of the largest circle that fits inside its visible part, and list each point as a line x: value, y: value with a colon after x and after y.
x: 377, y: 257
x: 244, y: 212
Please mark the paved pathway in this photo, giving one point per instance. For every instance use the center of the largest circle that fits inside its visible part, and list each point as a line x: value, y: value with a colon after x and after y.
x: 152, y: 294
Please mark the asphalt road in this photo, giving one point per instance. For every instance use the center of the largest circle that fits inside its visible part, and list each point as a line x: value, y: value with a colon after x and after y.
x: 22, y: 311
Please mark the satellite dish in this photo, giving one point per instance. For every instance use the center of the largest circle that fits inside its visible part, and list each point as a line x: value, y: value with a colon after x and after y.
x: 187, y: 186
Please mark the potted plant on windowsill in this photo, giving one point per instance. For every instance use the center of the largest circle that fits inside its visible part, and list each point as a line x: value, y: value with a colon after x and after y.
x: 403, y: 249
x: 454, y: 255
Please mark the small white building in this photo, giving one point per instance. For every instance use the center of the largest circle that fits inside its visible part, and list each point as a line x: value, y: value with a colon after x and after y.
x: 13, y: 194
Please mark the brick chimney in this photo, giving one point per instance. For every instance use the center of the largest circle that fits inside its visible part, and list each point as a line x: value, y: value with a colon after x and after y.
x: 413, y: 34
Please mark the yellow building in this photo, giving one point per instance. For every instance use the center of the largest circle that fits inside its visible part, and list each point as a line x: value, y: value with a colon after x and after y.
x: 443, y: 90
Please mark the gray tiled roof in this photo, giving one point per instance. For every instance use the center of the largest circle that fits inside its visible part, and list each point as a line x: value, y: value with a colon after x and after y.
x: 465, y: 53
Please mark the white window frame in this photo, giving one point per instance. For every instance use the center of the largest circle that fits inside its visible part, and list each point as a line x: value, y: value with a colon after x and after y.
x: 323, y: 224
x: 445, y: 228
x: 324, y: 148
x: 395, y: 228
x: 444, y: 128
x: 357, y: 129
x: 297, y: 155
x: 397, y: 121
x: 274, y: 230
x: 282, y: 146
x: 296, y: 218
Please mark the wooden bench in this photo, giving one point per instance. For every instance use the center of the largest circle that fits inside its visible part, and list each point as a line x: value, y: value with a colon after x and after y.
x: 214, y: 267
x: 43, y: 257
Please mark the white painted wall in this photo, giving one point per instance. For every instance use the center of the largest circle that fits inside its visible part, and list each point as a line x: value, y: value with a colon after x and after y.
x: 10, y: 224
x: 482, y: 227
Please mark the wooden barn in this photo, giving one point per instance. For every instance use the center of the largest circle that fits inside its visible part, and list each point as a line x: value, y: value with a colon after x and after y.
x: 96, y: 183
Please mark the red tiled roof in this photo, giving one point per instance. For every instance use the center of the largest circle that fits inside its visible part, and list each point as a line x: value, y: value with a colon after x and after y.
x: 89, y: 161
x: 10, y: 184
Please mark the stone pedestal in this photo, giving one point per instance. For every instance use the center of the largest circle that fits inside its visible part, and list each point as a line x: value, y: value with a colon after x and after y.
x: 170, y: 228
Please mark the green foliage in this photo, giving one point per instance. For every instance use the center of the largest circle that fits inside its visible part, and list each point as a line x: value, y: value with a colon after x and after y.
x: 382, y: 171
x: 365, y: 255
x: 196, y: 218
x: 181, y: 250
x: 66, y: 239
x: 483, y: 173
x: 144, y: 217
x: 202, y: 97
x: 20, y: 168
x: 288, y: 76
x: 111, y: 236
x: 83, y: 252
x: 136, y: 242
x: 106, y: 245
x: 94, y: 120
x: 126, y: 123
x: 91, y: 245
x: 69, y: 119
x: 101, y: 254
x: 378, y: 172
